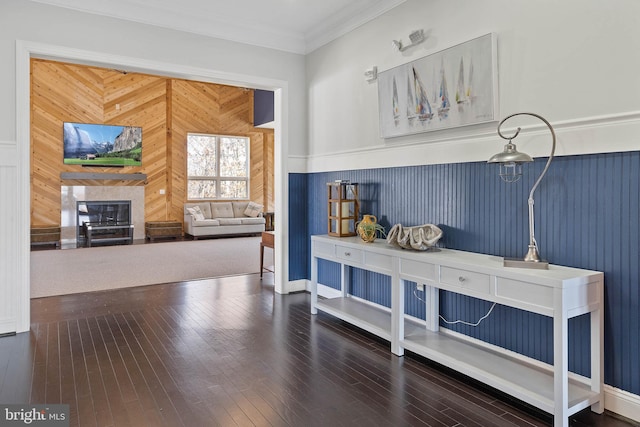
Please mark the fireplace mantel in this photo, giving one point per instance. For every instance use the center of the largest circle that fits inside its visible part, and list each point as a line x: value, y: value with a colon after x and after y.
x: 105, y: 176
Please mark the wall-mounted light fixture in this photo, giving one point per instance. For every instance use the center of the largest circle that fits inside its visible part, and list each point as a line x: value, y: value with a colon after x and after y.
x: 371, y: 74
x: 510, y: 161
x: 416, y: 37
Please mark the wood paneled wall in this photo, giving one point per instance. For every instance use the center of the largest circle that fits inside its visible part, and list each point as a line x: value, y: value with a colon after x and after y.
x: 166, y: 109
x: 205, y: 108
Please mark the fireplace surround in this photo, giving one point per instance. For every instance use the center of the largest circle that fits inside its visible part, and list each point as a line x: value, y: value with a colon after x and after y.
x: 71, y: 196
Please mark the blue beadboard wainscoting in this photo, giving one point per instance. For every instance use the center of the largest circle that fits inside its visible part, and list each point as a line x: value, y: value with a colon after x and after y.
x: 586, y: 215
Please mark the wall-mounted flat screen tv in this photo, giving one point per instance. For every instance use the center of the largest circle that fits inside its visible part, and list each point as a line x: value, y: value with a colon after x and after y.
x: 102, y: 145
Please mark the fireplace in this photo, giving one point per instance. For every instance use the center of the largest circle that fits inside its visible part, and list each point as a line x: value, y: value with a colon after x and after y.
x: 74, y: 199
x: 104, y: 221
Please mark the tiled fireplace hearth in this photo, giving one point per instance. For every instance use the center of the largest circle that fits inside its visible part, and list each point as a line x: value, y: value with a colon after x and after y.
x: 71, y: 195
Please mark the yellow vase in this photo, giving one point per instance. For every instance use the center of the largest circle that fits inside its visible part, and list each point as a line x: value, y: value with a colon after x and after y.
x: 367, y: 228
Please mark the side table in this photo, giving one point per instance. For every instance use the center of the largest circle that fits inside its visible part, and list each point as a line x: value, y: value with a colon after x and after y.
x: 269, y: 221
x: 162, y: 229
x: 45, y: 235
x: 268, y: 240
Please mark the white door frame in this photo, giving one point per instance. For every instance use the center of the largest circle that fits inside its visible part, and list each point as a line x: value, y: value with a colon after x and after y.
x: 26, y: 50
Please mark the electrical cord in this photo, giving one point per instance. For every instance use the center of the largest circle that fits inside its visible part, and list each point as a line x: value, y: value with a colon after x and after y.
x: 459, y: 321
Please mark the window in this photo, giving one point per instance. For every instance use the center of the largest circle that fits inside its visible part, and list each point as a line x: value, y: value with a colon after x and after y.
x: 217, y: 167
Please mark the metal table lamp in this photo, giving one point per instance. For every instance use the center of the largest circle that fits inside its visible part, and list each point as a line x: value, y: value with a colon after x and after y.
x: 510, y: 161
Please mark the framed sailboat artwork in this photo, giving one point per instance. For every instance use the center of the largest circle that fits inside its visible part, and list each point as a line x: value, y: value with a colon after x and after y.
x: 454, y: 87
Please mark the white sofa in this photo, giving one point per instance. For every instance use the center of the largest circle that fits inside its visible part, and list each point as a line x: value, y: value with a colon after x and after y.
x: 222, y: 218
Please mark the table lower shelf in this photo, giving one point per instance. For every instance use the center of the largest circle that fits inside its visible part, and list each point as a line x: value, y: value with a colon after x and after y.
x: 527, y: 381
x: 360, y: 314
x: 524, y: 380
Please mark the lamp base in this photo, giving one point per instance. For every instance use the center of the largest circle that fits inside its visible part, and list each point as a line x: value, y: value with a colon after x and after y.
x: 520, y: 263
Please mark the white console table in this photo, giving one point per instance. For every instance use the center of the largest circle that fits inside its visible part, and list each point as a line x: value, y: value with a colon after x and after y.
x: 560, y: 293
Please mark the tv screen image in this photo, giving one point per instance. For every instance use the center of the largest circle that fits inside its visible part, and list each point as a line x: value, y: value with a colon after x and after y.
x: 102, y: 145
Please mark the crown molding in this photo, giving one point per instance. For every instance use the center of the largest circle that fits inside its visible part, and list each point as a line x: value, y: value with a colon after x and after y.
x: 227, y: 27
x: 344, y: 23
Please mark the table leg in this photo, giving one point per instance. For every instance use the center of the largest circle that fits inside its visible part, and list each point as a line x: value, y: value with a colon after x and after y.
x: 433, y: 307
x: 597, y: 351
x: 560, y: 363
x: 261, y: 258
x: 314, y: 284
x: 397, y: 310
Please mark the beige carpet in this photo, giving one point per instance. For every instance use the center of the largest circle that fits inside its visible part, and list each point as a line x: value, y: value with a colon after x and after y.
x: 68, y: 271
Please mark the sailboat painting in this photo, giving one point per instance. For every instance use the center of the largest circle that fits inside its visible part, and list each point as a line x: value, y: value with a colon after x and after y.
x: 461, y: 90
x: 411, y: 100
x: 421, y: 103
x: 469, y: 93
x: 443, y: 98
x: 396, y: 106
x: 407, y: 106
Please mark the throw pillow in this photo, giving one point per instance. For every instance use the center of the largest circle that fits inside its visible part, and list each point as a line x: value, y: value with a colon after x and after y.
x: 196, y: 213
x: 253, y: 209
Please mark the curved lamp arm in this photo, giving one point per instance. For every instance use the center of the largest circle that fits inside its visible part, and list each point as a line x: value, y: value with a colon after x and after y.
x: 553, y: 143
x: 533, y: 254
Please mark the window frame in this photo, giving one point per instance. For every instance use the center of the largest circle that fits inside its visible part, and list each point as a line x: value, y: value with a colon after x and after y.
x: 218, y: 179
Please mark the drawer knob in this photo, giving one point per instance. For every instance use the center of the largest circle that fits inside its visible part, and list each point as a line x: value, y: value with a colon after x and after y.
x: 461, y: 279
x: 347, y: 254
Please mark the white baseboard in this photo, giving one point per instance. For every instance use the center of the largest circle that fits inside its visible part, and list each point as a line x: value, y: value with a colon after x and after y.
x: 617, y: 401
x: 622, y: 403
x: 323, y: 290
x: 298, y: 285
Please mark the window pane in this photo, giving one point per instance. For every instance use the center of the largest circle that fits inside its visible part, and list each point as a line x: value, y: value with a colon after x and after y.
x: 233, y: 190
x: 201, y: 189
x: 201, y: 155
x: 233, y: 157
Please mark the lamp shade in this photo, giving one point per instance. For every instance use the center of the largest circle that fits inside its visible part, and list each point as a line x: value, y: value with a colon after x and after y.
x: 510, y: 155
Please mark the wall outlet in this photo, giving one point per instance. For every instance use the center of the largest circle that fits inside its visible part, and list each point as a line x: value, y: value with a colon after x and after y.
x: 162, y: 191
x: 420, y: 287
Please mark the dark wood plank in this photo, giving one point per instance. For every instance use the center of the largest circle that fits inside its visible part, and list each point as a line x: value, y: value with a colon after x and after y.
x: 67, y: 377
x: 39, y: 380
x: 85, y: 410
x: 231, y: 352
x: 16, y: 366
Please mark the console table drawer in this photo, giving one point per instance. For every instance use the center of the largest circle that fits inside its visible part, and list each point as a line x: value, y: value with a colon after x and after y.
x: 324, y: 248
x: 529, y: 296
x: 465, y: 279
x: 349, y: 254
x: 378, y: 262
x: 417, y: 271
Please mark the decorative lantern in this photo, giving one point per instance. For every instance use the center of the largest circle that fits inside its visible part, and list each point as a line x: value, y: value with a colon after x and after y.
x: 343, y: 208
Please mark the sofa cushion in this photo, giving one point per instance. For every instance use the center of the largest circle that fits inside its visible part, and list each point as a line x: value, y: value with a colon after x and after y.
x: 239, y: 208
x: 230, y: 221
x: 205, y: 208
x: 252, y: 221
x: 253, y: 210
x: 205, y: 222
x: 221, y: 210
x: 196, y: 213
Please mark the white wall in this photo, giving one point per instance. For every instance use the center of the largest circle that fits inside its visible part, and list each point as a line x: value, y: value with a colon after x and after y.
x: 8, y: 233
x: 574, y: 62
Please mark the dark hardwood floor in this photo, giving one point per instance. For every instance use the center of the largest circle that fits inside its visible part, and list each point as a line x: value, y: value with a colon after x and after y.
x: 231, y: 352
